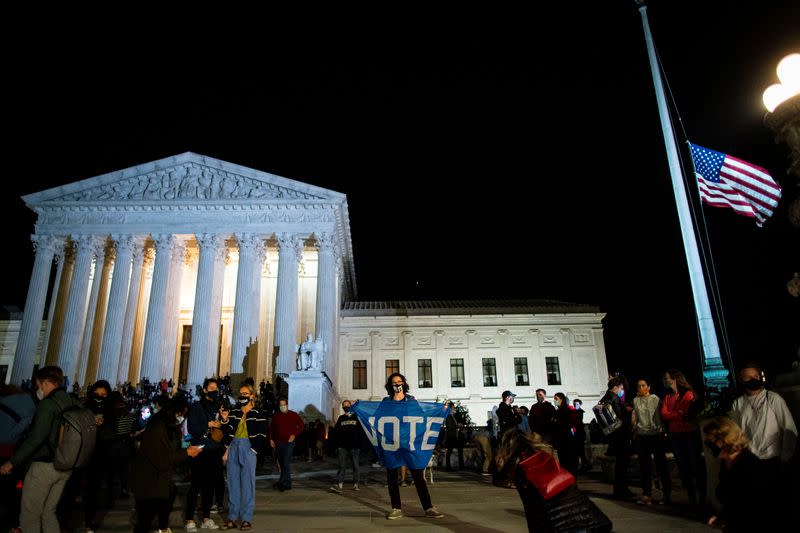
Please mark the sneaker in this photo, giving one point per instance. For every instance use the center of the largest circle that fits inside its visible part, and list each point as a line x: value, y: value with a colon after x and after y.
x: 433, y: 512
x: 376, y: 465
x: 336, y: 488
x: 191, y: 527
x: 209, y: 524
x: 394, y: 514
x: 404, y: 484
x: 214, y: 508
x: 355, y: 487
x: 168, y: 530
x: 645, y: 500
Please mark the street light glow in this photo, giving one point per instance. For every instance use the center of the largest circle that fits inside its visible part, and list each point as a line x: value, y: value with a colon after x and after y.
x: 789, y: 73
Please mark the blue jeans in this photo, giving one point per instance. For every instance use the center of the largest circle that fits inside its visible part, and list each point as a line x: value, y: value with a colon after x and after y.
x: 241, y: 480
x: 285, y: 461
x: 343, y: 454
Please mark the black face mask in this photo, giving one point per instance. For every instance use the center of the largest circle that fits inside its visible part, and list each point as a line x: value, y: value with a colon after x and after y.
x: 213, y: 395
x: 713, y: 448
x: 753, y: 384
x: 346, y: 409
x: 244, y: 400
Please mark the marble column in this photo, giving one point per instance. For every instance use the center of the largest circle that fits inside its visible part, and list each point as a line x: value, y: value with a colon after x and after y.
x: 154, y: 330
x: 200, y: 351
x: 56, y: 332
x: 140, y: 320
x: 131, y: 304
x: 100, y: 317
x: 75, y: 313
x: 173, y: 308
x: 60, y: 258
x: 326, y: 298
x: 83, y: 362
x: 222, y: 259
x: 290, y: 251
x: 117, y: 303
x: 45, y: 248
x: 248, y: 296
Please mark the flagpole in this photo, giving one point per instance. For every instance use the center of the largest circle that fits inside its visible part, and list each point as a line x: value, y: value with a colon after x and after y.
x: 714, y: 371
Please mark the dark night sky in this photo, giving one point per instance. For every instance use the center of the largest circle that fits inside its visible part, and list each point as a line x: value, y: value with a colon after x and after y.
x: 484, y: 155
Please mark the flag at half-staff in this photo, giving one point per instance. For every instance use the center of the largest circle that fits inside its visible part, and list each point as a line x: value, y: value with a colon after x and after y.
x: 726, y: 181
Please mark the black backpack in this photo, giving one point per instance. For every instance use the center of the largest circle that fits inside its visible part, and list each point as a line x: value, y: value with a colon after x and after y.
x: 77, y: 435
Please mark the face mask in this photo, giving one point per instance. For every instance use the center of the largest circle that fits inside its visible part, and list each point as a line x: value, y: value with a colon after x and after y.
x: 753, y: 384
x: 40, y: 394
x: 213, y: 395
x: 100, y: 400
x: 179, y: 420
x: 145, y: 415
x: 284, y: 408
x: 244, y: 400
x: 621, y: 393
x: 398, y: 388
x: 346, y: 408
x: 713, y: 448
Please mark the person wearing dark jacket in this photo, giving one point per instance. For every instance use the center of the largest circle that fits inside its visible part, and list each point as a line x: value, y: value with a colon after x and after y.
x: 16, y: 413
x: 43, y: 484
x: 508, y: 418
x: 453, y: 436
x: 619, y: 442
x: 207, y: 467
x: 347, y: 434
x: 748, y: 487
x: 245, y: 429
x: 540, y: 416
x: 159, y: 453
x: 569, y: 510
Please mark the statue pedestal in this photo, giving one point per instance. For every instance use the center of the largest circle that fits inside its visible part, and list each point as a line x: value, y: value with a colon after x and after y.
x: 311, y: 396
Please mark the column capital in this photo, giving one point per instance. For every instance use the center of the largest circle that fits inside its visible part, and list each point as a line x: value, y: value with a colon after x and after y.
x: 325, y: 242
x: 148, y: 255
x: 291, y: 243
x: 178, y: 251
x: 210, y: 241
x: 138, y: 247
x: 47, y: 244
x: 249, y: 242
x: 123, y: 243
x: 163, y: 241
x: 84, y: 243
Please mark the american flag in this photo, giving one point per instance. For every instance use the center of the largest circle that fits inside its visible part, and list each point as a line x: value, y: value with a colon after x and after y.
x: 726, y: 181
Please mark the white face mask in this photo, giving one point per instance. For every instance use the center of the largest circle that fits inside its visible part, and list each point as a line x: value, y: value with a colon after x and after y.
x: 284, y: 408
x: 40, y: 394
x: 398, y: 388
x: 179, y: 420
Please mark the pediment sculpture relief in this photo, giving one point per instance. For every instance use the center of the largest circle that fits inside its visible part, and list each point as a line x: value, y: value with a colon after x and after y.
x: 187, y: 182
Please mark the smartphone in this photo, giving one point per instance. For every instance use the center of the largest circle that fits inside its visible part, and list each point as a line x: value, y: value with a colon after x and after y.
x: 201, y: 446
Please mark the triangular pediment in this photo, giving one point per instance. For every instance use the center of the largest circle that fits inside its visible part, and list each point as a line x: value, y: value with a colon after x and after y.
x: 184, y: 178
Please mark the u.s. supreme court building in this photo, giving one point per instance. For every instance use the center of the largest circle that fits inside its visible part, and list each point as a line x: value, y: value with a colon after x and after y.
x: 189, y: 267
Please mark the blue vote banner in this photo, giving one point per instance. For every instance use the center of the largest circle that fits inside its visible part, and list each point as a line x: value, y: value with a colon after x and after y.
x: 402, y: 433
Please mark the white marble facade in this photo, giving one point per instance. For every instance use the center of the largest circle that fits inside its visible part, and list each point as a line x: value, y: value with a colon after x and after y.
x: 176, y: 267
x: 240, y: 255
x: 473, y: 351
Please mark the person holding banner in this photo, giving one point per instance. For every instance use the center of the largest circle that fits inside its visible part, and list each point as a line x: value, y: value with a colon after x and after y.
x: 403, y: 431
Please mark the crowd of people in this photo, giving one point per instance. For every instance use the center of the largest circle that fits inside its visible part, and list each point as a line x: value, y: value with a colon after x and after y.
x: 217, y: 440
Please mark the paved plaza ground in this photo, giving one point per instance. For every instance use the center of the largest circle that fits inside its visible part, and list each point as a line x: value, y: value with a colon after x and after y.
x: 470, y: 503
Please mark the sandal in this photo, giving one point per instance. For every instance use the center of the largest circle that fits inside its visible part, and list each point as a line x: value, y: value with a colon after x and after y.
x: 229, y: 524
x: 246, y: 526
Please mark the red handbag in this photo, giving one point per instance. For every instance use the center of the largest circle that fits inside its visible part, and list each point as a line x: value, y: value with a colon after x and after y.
x: 544, y: 473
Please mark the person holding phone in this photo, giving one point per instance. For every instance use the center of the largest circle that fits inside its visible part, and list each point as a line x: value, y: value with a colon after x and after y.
x: 156, y: 459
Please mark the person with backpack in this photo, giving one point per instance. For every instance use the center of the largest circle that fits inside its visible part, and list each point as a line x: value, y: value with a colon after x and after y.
x: 619, y: 440
x: 43, y: 483
x: 16, y: 413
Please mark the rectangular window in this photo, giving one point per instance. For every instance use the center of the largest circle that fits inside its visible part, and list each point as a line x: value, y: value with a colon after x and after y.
x: 392, y: 366
x: 553, y: 372
x: 425, y: 374
x: 457, y: 373
x: 360, y: 374
x: 521, y: 371
x: 489, y: 372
